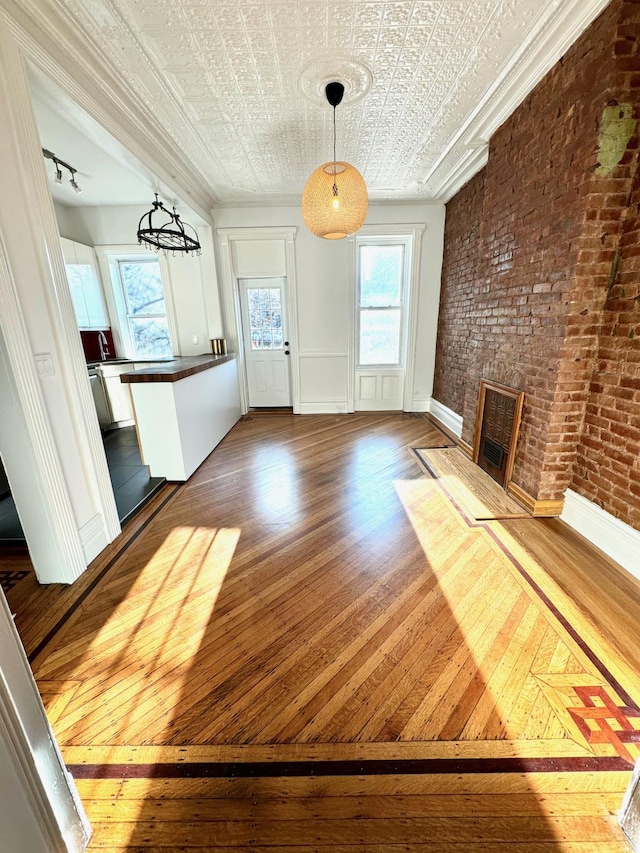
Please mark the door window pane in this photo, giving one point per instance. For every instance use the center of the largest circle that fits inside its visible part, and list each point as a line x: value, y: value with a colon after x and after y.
x: 380, y: 276
x: 265, y: 317
x: 380, y: 336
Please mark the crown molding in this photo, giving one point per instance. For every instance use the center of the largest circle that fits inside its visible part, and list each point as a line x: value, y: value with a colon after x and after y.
x: 50, y: 38
x: 555, y: 32
x: 471, y: 162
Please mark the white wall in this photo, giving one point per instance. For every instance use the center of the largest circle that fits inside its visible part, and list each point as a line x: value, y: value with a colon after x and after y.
x: 193, y: 282
x: 323, y: 270
x: 70, y: 225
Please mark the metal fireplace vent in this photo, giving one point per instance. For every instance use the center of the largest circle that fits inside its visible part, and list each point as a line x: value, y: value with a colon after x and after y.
x: 492, y: 452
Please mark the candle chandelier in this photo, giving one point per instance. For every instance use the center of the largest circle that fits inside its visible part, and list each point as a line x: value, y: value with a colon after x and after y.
x: 334, y: 200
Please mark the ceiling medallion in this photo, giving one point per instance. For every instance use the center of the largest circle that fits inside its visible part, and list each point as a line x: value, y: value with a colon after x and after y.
x: 354, y: 75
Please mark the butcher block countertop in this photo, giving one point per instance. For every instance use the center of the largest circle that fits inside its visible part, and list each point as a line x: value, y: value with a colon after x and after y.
x: 178, y: 368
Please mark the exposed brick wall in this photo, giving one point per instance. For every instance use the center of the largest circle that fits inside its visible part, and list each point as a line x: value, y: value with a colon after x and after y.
x: 459, y: 275
x: 607, y: 469
x: 529, y: 248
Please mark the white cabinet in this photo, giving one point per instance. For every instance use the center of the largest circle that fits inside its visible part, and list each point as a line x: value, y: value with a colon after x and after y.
x: 118, y: 395
x: 84, y: 285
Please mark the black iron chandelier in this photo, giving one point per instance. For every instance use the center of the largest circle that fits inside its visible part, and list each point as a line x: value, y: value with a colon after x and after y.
x: 167, y: 235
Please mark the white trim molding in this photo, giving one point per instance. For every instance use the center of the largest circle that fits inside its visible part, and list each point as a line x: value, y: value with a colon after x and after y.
x: 412, y: 233
x: 230, y: 298
x: 628, y: 814
x: 72, y: 382
x: 338, y: 407
x: 558, y: 26
x: 618, y: 540
x: 448, y: 417
x: 38, y: 768
x: 471, y: 162
x: 420, y: 404
x: 94, y: 537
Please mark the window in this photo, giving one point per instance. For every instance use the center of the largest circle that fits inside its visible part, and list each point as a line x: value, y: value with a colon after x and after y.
x: 381, y: 287
x: 143, y: 307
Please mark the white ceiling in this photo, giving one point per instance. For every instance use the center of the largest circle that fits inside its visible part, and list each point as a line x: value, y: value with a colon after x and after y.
x: 222, y: 79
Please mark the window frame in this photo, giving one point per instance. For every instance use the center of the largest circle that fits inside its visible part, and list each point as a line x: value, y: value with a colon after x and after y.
x: 109, y: 258
x: 406, y: 241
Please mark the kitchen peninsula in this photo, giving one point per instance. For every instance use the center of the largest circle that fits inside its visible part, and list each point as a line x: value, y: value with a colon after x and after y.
x: 183, y: 408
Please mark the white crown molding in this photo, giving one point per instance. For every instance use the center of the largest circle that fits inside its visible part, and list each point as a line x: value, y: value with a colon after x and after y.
x: 618, y: 540
x: 294, y: 200
x: 555, y: 32
x: 54, y: 42
x: 467, y: 166
x: 447, y: 416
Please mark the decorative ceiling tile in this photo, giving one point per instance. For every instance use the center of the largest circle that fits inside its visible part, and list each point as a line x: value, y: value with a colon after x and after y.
x: 222, y: 79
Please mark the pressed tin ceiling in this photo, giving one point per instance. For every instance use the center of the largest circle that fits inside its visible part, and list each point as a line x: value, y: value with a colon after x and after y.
x: 232, y: 83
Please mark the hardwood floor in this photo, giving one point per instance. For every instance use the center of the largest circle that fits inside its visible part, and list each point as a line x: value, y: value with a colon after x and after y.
x: 311, y: 645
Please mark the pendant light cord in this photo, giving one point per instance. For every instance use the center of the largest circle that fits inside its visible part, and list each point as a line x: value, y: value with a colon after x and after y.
x: 334, y: 188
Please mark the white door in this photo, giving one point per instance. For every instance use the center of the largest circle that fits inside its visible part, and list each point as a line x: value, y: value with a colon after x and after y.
x: 266, y: 342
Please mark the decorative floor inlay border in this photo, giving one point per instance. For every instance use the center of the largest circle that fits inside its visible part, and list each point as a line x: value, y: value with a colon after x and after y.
x: 366, y: 767
x: 611, y: 718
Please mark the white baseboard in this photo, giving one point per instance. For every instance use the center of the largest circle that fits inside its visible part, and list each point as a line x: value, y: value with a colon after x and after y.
x: 447, y: 416
x: 618, y: 540
x: 338, y: 407
x: 420, y: 404
x: 93, y: 535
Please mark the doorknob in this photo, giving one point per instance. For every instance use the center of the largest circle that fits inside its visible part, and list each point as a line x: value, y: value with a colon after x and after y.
x: 286, y: 343
x: 286, y: 352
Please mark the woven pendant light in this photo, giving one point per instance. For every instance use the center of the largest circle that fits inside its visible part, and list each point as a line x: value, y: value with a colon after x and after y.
x: 334, y: 200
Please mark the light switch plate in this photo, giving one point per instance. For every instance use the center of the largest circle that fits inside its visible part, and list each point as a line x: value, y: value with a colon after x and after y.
x: 44, y: 364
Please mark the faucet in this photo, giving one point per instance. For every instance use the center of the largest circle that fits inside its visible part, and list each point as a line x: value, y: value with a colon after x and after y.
x: 104, y: 346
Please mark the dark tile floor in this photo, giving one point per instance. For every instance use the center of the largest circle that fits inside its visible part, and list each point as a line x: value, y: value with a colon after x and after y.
x: 132, y: 485
x: 10, y: 527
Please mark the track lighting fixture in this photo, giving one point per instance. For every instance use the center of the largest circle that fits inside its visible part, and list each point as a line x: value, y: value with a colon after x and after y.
x: 57, y: 162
